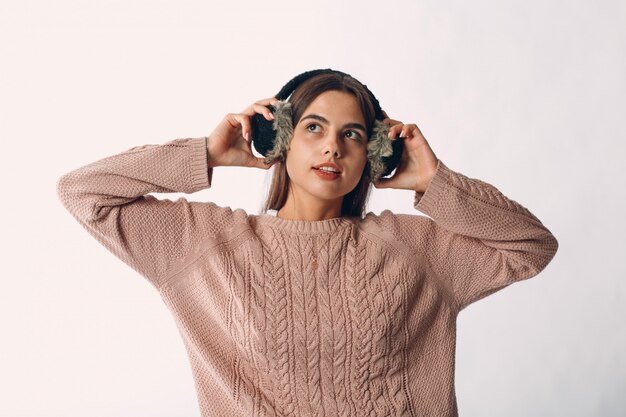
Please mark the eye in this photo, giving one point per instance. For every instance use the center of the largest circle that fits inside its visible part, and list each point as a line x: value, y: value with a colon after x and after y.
x: 312, y: 125
x: 355, y: 135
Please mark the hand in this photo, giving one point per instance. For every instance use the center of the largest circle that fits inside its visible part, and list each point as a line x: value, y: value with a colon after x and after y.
x: 418, y: 162
x: 230, y: 145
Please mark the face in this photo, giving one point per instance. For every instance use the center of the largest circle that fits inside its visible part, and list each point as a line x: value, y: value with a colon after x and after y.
x: 331, y: 129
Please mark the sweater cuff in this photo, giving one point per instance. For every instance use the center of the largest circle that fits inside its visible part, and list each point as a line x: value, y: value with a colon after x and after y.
x: 426, y: 202
x: 201, y: 174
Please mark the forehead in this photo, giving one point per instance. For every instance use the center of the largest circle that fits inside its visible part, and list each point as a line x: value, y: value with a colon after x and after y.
x: 336, y: 106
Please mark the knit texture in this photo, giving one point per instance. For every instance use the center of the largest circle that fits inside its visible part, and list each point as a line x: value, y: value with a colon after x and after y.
x: 337, y: 317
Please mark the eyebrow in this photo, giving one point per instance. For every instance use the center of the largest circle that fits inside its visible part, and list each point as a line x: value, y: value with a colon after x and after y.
x: 323, y: 120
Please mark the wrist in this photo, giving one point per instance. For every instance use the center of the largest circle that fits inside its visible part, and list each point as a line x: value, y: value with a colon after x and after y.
x: 428, y: 179
x: 210, y: 163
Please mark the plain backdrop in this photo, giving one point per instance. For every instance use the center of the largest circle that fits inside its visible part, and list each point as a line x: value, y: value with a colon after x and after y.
x: 526, y: 95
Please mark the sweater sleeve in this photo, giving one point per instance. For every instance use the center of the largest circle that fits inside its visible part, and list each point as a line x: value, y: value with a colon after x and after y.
x: 109, y: 199
x: 477, y: 241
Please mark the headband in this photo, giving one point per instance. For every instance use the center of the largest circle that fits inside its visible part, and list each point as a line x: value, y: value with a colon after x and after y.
x: 271, y: 138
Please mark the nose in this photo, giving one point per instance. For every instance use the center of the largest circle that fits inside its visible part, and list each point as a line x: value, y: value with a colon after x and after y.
x: 332, y: 145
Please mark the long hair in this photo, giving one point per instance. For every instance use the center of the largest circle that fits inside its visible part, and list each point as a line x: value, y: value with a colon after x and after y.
x: 354, y: 202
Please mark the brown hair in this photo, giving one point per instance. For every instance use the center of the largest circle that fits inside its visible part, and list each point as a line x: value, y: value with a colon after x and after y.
x: 353, y: 202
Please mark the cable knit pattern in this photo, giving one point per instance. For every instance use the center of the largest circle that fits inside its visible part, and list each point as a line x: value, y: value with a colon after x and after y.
x: 337, y: 317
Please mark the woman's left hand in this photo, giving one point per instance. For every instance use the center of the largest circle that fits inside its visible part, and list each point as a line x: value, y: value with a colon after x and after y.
x: 418, y: 162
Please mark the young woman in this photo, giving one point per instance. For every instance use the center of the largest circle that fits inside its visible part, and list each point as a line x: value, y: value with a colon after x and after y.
x: 318, y: 309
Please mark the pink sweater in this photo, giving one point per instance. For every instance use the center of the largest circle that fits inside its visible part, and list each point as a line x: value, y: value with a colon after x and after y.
x: 339, y: 317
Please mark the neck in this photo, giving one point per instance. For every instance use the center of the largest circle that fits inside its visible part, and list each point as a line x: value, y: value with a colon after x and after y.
x: 311, y: 210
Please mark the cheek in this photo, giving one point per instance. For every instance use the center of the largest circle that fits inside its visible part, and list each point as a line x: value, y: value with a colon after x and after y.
x: 362, y: 161
x: 295, y: 154
x: 293, y: 163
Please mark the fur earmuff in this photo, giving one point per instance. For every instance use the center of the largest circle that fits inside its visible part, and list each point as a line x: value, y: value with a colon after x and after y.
x: 378, y: 146
x: 283, y: 126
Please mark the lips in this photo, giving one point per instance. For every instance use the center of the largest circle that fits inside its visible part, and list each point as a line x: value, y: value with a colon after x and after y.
x: 326, y: 175
x: 330, y: 165
x: 324, y: 170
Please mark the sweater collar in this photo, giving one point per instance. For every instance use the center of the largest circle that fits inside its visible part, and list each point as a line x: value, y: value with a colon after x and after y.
x: 305, y: 226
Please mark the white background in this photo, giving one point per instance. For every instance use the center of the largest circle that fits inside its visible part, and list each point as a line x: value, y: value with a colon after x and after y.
x: 526, y: 95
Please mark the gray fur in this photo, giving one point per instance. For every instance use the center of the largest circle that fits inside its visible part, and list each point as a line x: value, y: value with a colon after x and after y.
x: 284, y: 132
x: 378, y: 146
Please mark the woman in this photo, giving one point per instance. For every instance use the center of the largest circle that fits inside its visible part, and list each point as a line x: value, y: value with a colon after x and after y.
x: 316, y: 310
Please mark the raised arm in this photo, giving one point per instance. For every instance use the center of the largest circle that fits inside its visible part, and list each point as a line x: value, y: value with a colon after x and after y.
x: 110, y: 199
x: 478, y: 240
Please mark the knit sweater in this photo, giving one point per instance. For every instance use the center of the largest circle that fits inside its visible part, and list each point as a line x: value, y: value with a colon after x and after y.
x: 340, y: 317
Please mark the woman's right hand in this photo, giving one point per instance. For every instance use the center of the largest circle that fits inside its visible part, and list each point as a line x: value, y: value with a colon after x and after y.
x: 230, y: 143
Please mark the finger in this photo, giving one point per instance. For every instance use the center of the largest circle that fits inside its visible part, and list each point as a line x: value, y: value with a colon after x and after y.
x: 244, y: 122
x: 262, y: 109
x: 246, y: 129
x: 250, y: 110
x: 417, y: 131
x: 260, y: 163
x: 410, y: 130
x: 381, y: 183
x: 266, y: 101
x: 407, y: 130
x: 394, y: 130
x: 392, y: 122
